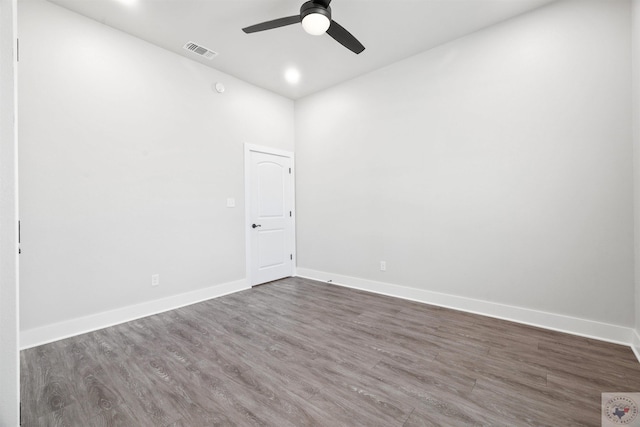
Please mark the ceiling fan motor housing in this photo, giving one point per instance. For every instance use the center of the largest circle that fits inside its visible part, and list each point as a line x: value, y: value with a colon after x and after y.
x: 310, y: 7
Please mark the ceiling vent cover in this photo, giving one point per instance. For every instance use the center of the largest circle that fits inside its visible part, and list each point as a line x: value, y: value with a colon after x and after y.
x: 200, y: 50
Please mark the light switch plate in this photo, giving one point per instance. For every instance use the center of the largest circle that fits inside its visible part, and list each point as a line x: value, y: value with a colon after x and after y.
x: 231, y: 202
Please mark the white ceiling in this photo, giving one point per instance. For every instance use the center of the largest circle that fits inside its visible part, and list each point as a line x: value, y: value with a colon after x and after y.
x: 389, y: 29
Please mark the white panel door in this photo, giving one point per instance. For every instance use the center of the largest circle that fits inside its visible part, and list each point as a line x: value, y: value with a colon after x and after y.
x: 270, y: 217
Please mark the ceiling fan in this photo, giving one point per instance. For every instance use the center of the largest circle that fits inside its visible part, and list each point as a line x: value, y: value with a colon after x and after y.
x: 315, y: 16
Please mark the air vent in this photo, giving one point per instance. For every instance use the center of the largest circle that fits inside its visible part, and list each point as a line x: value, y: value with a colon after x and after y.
x: 200, y: 50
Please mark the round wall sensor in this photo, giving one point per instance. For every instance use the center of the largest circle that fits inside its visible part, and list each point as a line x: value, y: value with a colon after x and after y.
x: 219, y: 87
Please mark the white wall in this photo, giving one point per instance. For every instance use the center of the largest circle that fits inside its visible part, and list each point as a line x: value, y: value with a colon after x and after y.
x: 497, y: 167
x: 9, y: 357
x: 127, y: 157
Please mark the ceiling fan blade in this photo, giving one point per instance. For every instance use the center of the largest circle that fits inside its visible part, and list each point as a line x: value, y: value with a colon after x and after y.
x: 344, y: 37
x: 276, y: 23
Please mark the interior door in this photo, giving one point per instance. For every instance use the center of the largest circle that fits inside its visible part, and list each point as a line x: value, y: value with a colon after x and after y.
x: 269, y: 216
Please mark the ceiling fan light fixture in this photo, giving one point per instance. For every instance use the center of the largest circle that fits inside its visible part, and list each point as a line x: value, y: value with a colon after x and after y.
x: 315, y: 17
x: 316, y: 24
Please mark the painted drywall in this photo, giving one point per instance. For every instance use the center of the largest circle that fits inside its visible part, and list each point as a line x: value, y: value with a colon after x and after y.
x: 497, y: 167
x: 127, y: 158
x: 9, y: 357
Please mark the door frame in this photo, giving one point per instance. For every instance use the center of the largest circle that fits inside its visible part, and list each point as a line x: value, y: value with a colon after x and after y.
x: 9, y: 269
x: 248, y: 148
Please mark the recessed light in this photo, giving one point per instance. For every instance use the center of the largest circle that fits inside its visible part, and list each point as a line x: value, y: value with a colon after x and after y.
x: 292, y: 76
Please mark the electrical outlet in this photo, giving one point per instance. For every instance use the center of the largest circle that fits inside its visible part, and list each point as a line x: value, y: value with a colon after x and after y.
x: 155, y: 279
x: 383, y: 266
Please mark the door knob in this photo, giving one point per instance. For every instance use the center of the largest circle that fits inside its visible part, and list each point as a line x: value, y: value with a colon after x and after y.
x: 255, y: 225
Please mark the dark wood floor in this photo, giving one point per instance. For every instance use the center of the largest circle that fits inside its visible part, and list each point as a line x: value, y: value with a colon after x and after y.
x: 297, y: 352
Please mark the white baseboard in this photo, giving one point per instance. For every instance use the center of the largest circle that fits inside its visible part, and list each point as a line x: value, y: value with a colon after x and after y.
x: 635, y: 344
x: 582, y: 327
x: 57, y: 331
x: 557, y: 322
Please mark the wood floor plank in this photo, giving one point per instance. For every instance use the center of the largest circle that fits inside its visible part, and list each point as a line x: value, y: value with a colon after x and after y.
x: 430, y: 375
x: 435, y: 398
x: 69, y: 416
x: 297, y: 352
x: 443, y: 414
x: 512, y: 402
x: 348, y: 410
x: 555, y: 363
x: 251, y: 398
x: 46, y: 389
x: 586, y: 354
x: 487, y: 337
x: 492, y: 367
x: 119, y: 416
x: 593, y: 384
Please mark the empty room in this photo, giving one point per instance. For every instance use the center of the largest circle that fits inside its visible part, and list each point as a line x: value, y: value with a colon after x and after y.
x: 332, y: 213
